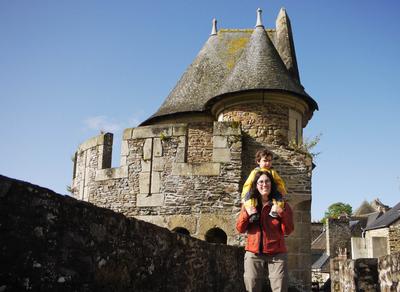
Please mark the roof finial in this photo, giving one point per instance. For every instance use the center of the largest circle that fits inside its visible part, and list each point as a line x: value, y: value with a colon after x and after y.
x: 214, y: 27
x: 259, y: 22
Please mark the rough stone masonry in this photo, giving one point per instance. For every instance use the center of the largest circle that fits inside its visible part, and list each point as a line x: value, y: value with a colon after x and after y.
x: 183, y: 168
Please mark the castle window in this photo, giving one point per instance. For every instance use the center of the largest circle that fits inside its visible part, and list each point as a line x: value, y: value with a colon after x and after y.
x: 181, y: 230
x: 216, y: 235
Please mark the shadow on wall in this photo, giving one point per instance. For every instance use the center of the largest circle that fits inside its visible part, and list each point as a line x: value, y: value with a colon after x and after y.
x: 216, y: 235
x: 181, y: 230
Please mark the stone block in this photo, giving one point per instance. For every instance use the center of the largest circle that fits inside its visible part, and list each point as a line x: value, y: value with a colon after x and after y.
x: 155, y: 182
x: 95, y: 141
x: 221, y: 155
x: 157, y: 147
x: 87, y: 176
x: 127, y: 134
x: 147, y: 149
x: 92, y: 142
x: 161, y: 130
x: 180, y: 154
x: 179, y: 130
x: 122, y: 161
x: 85, y: 196
x: 220, y: 142
x: 152, y: 131
x: 81, y: 190
x: 153, y: 200
x: 141, y: 132
x: 100, y: 150
x: 158, y: 163
x: 124, y: 147
x: 189, y: 169
x: 111, y: 173
x: 145, y: 165
x: 227, y: 129
x: 144, y: 183
x: 182, y: 141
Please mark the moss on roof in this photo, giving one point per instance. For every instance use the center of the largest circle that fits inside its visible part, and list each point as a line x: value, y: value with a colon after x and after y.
x: 231, y: 61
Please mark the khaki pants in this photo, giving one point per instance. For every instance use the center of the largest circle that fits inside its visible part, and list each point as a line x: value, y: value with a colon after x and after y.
x: 259, y: 268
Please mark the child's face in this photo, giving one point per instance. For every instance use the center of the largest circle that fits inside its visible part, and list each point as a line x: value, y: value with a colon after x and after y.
x: 265, y: 162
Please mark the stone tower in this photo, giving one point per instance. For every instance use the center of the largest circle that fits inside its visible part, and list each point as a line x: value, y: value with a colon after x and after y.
x: 183, y: 168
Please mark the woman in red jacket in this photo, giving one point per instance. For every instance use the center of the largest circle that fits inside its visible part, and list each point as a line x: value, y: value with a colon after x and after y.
x: 266, y: 253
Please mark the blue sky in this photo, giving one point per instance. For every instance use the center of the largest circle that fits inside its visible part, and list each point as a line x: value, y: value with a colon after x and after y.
x: 71, y: 68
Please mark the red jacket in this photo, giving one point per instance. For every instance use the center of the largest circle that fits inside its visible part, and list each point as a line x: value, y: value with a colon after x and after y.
x: 271, y: 229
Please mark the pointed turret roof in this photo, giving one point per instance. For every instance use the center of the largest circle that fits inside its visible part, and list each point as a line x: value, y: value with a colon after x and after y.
x: 365, y: 209
x: 231, y: 61
x: 201, y: 80
x: 260, y: 67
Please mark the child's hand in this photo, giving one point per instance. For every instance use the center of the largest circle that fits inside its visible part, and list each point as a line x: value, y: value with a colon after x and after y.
x: 277, y: 206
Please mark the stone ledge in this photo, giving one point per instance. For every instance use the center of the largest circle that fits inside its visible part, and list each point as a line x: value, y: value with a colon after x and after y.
x: 155, y: 131
x: 189, y: 169
x: 95, y: 141
x: 111, y: 173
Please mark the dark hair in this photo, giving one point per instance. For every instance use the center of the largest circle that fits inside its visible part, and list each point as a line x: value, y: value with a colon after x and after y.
x: 263, y: 153
x: 254, y: 193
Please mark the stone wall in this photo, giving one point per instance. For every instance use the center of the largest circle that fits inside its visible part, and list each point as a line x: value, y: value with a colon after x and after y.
x: 51, y: 242
x: 190, y: 175
x: 173, y: 175
x: 394, y: 239
x: 268, y: 125
x: 376, y: 274
x: 338, y: 236
x: 389, y: 272
x: 354, y: 275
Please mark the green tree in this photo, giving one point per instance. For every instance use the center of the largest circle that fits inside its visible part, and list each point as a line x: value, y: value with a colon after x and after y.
x: 336, y: 210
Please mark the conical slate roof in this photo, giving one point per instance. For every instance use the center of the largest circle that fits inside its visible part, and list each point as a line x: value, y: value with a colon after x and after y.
x: 364, y: 209
x: 201, y: 81
x: 231, y: 61
x: 260, y: 67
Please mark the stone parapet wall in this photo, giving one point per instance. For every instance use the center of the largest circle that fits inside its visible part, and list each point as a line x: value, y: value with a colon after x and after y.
x: 354, y: 275
x: 51, y: 242
x: 372, y: 274
x: 165, y: 175
x: 92, y: 155
x: 389, y: 272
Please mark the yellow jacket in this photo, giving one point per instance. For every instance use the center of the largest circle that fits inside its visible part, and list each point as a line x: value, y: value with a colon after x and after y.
x: 280, y: 185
